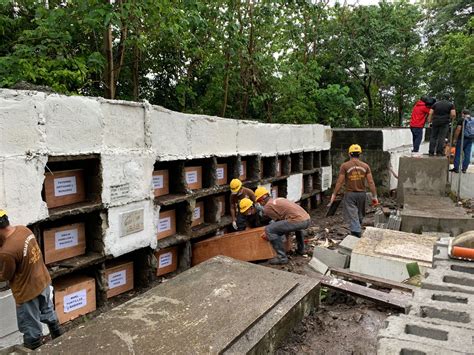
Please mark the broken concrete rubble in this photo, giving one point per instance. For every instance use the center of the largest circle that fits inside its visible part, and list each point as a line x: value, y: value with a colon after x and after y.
x: 324, y: 258
x: 348, y: 244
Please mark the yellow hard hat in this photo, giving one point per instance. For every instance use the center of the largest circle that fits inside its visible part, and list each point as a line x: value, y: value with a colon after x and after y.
x: 245, y: 204
x: 260, y: 192
x: 235, y: 185
x: 355, y: 148
x: 3, y: 213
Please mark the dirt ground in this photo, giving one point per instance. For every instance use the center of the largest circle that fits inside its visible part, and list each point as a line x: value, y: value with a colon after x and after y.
x: 342, y: 324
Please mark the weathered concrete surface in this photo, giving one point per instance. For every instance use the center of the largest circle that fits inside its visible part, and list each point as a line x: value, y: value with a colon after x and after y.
x: 385, y: 253
x: 389, y: 346
x: 422, y: 175
x: 331, y: 258
x: 206, y: 309
x: 434, y: 214
x: 466, y: 190
x: 428, y: 331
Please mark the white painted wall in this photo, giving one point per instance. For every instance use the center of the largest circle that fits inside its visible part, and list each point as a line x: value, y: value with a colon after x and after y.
x: 130, y: 137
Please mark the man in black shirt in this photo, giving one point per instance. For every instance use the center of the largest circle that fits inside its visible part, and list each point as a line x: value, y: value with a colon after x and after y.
x: 441, y: 114
x: 464, y: 128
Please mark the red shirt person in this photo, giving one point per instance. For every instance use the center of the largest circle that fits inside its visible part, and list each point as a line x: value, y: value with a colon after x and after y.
x: 418, y: 119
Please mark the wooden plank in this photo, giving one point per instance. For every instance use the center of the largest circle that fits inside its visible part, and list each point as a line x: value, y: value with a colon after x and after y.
x: 377, y: 281
x: 383, y: 298
x: 247, y: 245
x: 161, y: 182
x: 64, y: 187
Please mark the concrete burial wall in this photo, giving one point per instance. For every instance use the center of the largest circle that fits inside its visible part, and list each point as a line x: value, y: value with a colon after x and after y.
x: 382, y: 149
x: 129, y: 137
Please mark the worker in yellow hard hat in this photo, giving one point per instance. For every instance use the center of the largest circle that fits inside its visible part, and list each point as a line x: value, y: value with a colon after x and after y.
x: 287, y: 217
x: 355, y: 175
x: 22, y: 265
x: 238, y: 192
x: 253, y: 213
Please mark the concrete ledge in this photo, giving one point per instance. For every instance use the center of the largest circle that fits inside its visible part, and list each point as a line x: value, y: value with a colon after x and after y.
x: 429, y: 332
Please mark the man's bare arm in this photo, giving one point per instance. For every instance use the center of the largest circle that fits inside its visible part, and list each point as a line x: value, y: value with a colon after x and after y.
x: 452, y: 113
x: 430, y: 116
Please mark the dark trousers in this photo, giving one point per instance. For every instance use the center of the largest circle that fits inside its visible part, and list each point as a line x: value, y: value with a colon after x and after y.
x: 467, y: 146
x: 439, y: 133
x: 276, y: 232
x: 31, y: 314
x: 417, y: 134
x: 354, y: 210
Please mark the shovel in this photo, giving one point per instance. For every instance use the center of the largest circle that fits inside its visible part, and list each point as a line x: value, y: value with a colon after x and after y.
x: 333, y: 207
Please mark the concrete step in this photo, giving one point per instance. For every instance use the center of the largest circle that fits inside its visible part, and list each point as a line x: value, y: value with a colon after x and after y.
x: 221, y: 305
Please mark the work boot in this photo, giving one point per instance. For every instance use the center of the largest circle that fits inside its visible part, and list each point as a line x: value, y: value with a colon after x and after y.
x: 33, y: 344
x: 281, y: 257
x: 300, y: 246
x: 55, y: 330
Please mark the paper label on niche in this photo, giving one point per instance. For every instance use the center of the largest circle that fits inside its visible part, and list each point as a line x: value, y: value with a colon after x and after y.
x: 158, y: 181
x: 75, y: 301
x: 65, y: 186
x: 197, y: 213
x: 221, y: 207
x: 164, y: 224
x: 278, y: 166
x: 241, y: 170
x: 117, y: 279
x: 66, y: 239
x: 191, y: 177
x: 220, y: 173
x: 166, y: 259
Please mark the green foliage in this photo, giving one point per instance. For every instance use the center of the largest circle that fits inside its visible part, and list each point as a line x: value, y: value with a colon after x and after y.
x: 274, y: 61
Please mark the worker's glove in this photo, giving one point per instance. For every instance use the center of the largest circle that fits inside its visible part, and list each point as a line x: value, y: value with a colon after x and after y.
x: 264, y: 236
x: 375, y: 201
x: 234, y: 225
x: 333, y: 198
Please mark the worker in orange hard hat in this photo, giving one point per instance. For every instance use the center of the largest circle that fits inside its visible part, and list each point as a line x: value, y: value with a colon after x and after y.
x: 354, y: 174
x: 238, y: 192
x: 287, y: 216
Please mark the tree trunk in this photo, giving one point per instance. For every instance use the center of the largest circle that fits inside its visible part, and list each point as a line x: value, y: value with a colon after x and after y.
x: 135, y: 73
x: 109, y: 79
x: 226, y: 81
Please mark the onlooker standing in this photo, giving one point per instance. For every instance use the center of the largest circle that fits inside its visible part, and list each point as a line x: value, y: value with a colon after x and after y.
x: 440, y: 116
x: 418, y: 119
x: 21, y: 264
x: 465, y: 126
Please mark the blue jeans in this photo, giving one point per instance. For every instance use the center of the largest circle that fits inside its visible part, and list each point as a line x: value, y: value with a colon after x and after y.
x: 467, y: 146
x: 354, y: 209
x: 31, y: 314
x: 276, y: 231
x: 417, y: 134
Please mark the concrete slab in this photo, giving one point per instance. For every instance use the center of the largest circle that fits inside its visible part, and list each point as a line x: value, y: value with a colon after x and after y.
x: 330, y: 257
x: 434, y: 214
x: 206, y: 309
x: 463, y: 182
x: 429, y: 332
x: 348, y: 244
x: 385, y: 253
x: 388, y: 346
x: 423, y: 175
x: 318, y: 266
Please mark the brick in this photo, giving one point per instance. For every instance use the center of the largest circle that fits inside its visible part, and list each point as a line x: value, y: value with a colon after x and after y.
x: 332, y: 258
x: 318, y: 266
x: 464, y: 268
x: 452, y: 281
x: 389, y: 346
x: 429, y: 332
x: 348, y: 244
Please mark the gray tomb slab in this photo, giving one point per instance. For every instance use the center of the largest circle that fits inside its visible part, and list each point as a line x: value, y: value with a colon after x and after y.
x: 203, y: 310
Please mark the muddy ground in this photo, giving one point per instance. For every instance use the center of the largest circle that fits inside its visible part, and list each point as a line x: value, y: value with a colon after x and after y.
x: 342, y: 324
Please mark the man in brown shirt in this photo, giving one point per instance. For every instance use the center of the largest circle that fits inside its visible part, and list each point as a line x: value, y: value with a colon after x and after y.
x: 354, y: 174
x: 239, y: 192
x: 287, y: 217
x: 21, y: 264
